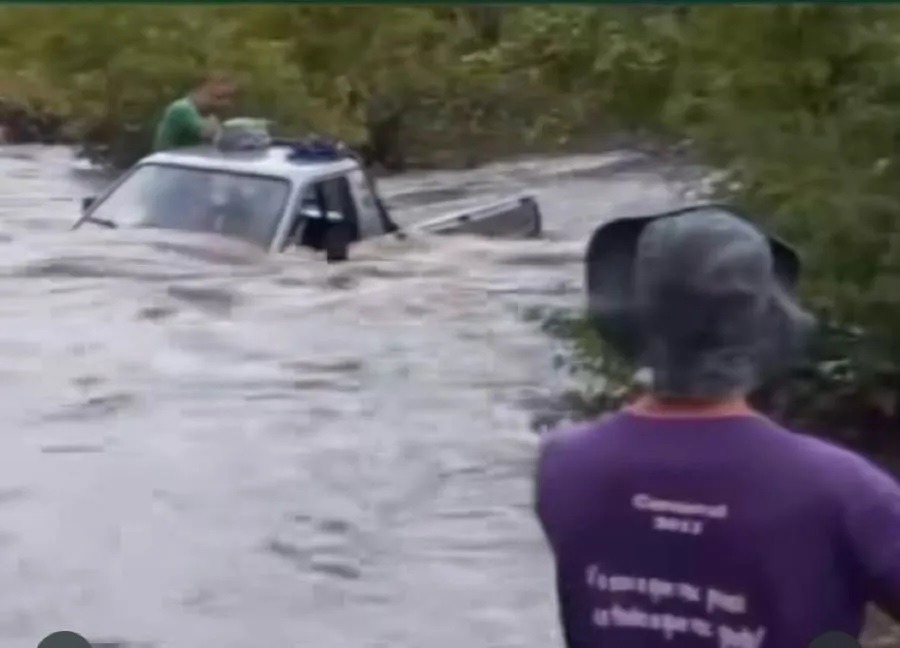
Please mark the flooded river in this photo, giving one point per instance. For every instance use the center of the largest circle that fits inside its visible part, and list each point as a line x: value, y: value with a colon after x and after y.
x: 200, y: 451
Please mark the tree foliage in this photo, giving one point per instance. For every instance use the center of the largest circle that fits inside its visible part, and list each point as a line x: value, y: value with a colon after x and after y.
x: 345, y: 71
x: 799, y: 103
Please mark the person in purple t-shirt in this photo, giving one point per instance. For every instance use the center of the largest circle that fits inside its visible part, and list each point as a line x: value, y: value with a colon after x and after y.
x: 687, y: 519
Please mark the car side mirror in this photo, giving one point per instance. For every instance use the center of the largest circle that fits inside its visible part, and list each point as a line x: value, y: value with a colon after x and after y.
x: 86, y: 203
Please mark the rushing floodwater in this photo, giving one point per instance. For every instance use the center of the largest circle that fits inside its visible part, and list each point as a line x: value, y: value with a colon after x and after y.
x: 200, y: 450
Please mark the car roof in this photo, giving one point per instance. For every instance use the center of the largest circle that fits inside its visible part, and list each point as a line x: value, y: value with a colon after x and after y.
x: 276, y: 160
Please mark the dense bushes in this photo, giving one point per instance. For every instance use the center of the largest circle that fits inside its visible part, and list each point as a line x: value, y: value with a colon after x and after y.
x: 799, y: 103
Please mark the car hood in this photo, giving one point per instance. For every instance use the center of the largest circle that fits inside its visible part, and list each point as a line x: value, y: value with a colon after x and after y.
x: 204, y: 246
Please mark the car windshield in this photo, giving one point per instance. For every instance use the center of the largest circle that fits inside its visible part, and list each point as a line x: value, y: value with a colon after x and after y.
x: 243, y: 206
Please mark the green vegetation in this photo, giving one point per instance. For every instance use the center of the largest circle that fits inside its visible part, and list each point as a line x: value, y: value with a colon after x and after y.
x: 799, y: 103
x: 405, y: 81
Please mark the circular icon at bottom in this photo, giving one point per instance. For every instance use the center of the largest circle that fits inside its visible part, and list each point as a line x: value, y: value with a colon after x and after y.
x: 64, y: 639
x: 834, y: 640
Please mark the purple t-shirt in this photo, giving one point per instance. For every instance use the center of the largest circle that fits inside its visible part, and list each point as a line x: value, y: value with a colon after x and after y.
x: 727, y: 532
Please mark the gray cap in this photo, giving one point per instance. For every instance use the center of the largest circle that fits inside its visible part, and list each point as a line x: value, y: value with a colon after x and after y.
x: 700, y: 296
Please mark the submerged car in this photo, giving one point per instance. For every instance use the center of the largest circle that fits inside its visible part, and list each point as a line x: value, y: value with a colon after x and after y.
x: 279, y: 195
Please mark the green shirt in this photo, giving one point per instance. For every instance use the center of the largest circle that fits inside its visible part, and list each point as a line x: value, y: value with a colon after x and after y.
x: 181, y: 125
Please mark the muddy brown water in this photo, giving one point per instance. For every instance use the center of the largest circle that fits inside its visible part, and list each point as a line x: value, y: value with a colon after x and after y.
x: 207, y: 448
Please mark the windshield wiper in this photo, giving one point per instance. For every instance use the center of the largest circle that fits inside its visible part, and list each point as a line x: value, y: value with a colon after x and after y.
x: 100, y: 221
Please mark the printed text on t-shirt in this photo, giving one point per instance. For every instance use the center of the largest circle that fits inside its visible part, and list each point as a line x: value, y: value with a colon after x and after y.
x: 678, y: 517
x: 657, y: 618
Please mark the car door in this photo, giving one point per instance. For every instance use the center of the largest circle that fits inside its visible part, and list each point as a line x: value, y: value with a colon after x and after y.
x: 371, y: 222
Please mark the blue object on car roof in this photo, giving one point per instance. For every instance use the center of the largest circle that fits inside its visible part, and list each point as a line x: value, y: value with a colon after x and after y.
x: 314, y: 151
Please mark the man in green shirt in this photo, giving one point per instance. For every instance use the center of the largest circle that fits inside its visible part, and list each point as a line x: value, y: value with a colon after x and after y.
x: 192, y: 120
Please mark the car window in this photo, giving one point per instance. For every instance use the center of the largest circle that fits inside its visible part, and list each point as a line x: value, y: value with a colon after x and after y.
x: 242, y: 206
x: 339, y: 200
x: 314, y: 203
x: 306, y: 219
x: 319, y: 206
x: 310, y: 207
x: 333, y: 195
